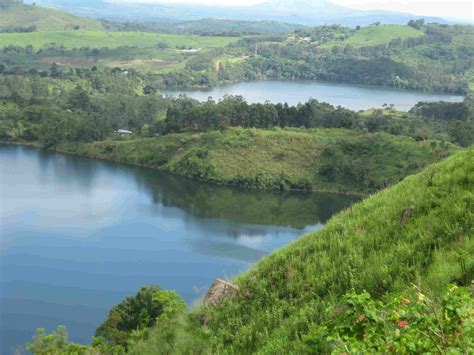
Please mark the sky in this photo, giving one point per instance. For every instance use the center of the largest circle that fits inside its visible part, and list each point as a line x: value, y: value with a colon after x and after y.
x: 463, y: 9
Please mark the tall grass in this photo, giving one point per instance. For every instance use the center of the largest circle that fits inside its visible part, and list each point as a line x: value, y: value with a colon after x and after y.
x: 417, y: 232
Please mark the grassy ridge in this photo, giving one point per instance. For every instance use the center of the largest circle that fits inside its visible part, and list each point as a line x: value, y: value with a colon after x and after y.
x: 419, y: 231
x: 100, y: 39
x: 44, y: 19
x: 333, y: 160
x: 375, y: 35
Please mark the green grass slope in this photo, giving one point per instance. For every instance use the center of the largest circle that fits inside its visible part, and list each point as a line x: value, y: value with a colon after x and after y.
x: 375, y: 35
x: 44, y: 19
x: 334, y: 160
x: 100, y: 39
x: 417, y: 232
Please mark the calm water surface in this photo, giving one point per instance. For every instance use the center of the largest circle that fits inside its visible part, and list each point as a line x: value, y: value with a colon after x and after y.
x: 78, y: 235
x: 354, y: 97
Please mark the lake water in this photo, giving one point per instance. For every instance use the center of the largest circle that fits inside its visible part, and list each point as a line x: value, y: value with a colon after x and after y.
x: 78, y: 235
x: 354, y: 97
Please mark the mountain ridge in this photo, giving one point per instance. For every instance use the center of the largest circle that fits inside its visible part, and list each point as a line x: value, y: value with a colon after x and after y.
x: 303, y: 12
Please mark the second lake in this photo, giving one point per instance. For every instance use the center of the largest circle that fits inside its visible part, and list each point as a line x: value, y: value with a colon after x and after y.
x: 354, y: 97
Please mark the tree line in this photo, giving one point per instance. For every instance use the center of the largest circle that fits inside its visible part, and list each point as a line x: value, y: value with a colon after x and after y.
x: 188, y: 115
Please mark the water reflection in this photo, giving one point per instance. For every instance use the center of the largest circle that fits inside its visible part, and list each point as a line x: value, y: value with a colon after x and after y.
x: 295, y: 209
x: 78, y: 235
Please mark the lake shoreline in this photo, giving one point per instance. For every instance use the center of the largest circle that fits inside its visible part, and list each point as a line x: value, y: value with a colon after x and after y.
x: 316, y: 81
x: 105, y: 158
x: 354, y: 96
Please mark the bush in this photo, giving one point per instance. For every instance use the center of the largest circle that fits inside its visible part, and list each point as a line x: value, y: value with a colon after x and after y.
x: 419, y: 324
x: 139, y: 313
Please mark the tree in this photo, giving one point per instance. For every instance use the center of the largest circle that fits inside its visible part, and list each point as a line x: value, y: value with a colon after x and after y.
x: 416, y: 24
x: 462, y: 133
x: 55, y: 343
x: 54, y: 71
x: 140, y: 312
x: 79, y: 99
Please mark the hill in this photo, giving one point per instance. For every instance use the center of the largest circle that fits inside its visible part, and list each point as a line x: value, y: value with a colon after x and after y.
x: 375, y: 35
x: 43, y: 19
x: 419, y: 231
x: 303, y: 12
x: 334, y: 160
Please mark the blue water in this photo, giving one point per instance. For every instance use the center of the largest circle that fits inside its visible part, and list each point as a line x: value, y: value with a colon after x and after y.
x: 354, y: 97
x: 78, y: 235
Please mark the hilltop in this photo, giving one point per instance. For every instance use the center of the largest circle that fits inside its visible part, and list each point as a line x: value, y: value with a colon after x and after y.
x: 376, y: 35
x: 44, y: 19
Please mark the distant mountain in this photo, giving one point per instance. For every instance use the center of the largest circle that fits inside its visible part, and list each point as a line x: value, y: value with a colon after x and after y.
x: 303, y: 12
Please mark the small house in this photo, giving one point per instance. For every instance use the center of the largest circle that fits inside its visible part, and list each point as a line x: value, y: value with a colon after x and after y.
x: 123, y: 132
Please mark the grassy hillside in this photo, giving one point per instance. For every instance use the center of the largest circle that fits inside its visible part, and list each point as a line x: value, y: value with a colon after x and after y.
x: 99, y: 39
x: 321, y: 159
x: 44, y: 19
x: 419, y: 231
x: 375, y: 35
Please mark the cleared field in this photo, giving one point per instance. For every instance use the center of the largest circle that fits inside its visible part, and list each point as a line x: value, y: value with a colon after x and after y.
x: 374, y: 35
x: 98, y: 39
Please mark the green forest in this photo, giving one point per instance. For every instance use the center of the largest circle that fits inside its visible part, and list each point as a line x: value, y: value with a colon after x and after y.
x: 392, y: 273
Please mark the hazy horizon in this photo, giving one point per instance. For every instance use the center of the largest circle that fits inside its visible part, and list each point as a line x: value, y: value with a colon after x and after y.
x: 461, y: 9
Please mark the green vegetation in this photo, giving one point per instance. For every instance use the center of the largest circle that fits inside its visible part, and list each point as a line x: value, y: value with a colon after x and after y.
x: 402, y: 325
x: 420, y: 231
x: 144, y: 310
x: 321, y: 160
x: 375, y: 279
x: 101, y: 39
x: 206, y: 27
x: 17, y: 15
x: 375, y: 35
x: 313, y: 146
x: 418, y: 56
x: 347, y: 288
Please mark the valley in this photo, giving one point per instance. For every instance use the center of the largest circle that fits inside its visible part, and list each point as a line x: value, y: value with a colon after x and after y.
x: 292, y: 178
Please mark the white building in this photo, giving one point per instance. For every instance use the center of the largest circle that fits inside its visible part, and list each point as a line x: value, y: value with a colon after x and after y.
x: 123, y: 132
